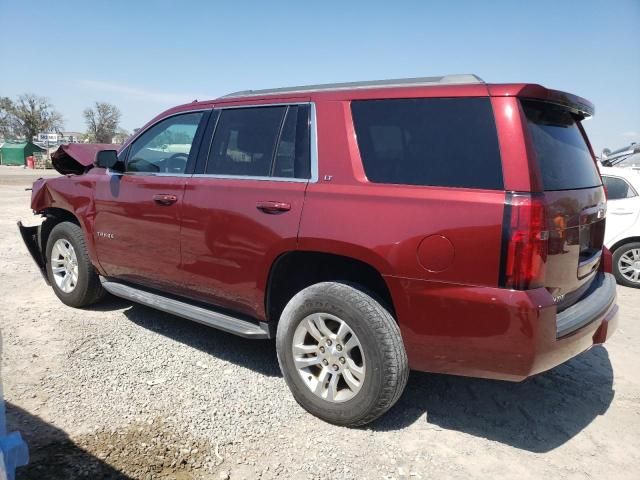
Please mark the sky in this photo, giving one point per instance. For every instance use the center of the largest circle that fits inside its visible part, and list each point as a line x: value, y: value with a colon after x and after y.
x: 145, y: 56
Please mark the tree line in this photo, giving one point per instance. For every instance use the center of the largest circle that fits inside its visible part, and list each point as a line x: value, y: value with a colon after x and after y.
x: 28, y: 115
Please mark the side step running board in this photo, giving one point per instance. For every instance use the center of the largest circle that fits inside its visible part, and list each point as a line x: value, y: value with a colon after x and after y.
x: 221, y: 321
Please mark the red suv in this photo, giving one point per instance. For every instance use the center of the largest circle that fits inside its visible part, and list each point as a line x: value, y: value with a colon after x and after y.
x: 440, y: 224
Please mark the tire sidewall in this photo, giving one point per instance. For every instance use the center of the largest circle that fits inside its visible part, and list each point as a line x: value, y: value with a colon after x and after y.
x: 69, y: 232
x: 621, y: 250
x: 312, y: 301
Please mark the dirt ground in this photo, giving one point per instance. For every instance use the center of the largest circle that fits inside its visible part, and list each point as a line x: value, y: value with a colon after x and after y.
x: 122, y: 391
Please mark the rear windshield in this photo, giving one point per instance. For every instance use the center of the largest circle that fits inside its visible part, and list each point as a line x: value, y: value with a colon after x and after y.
x: 563, y: 155
x: 449, y: 142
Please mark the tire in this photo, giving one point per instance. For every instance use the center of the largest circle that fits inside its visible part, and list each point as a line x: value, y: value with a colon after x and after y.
x: 379, y: 359
x: 629, y: 251
x: 86, y: 289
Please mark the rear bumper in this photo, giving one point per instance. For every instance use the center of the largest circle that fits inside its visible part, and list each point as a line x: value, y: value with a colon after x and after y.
x: 498, y: 333
x: 31, y: 238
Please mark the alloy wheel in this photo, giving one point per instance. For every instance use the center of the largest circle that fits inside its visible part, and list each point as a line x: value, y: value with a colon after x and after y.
x: 64, y: 265
x: 629, y: 265
x: 329, y: 357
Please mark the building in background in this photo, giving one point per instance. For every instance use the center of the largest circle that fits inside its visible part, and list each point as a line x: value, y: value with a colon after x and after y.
x: 71, y: 137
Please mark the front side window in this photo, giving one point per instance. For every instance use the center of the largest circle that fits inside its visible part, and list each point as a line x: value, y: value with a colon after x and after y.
x: 166, y: 146
x: 617, y: 188
x: 450, y: 142
x: 261, y: 142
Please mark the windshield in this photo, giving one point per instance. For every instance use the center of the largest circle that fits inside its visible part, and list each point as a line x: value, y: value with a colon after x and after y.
x: 562, y: 152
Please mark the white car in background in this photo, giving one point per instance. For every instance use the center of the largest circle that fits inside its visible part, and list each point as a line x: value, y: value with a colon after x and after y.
x: 622, y: 234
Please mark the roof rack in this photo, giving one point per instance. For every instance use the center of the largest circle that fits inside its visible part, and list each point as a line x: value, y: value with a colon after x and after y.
x: 397, y: 82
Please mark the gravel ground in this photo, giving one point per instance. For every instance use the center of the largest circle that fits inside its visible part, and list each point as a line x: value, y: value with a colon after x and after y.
x: 123, y: 391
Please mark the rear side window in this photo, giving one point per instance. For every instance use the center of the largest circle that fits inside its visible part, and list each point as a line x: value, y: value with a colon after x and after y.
x: 617, y: 188
x: 245, y: 141
x: 449, y: 142
x: 262, y: 142
x: 561, y: 150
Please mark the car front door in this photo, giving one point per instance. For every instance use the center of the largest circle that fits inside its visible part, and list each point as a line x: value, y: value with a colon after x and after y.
x: 243, y: 208
x: 623, y: 207
x: 138, y: 213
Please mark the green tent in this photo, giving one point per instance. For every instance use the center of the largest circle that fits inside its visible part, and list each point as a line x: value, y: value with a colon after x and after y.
x: 16, y: 153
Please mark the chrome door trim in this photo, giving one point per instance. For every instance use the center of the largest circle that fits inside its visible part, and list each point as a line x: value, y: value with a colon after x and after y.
x: 249, y: 177
x: 313, y: 145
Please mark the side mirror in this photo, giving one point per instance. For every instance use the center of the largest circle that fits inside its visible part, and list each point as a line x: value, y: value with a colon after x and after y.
x: 108, y: 159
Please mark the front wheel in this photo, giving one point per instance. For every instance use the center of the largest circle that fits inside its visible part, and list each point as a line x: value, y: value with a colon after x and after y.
x: 626, y: 264
x: 69, y: 269
x: 341, y: 354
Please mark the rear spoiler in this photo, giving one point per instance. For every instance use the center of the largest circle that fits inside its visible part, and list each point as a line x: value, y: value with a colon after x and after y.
x: 579, y: 106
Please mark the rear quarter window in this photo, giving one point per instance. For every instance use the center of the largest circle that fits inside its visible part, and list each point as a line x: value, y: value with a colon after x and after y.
x: 561, y: 150
x: 449, y: 142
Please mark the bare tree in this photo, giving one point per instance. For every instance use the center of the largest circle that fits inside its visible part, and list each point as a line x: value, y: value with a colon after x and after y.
x: 30, y: 114
x: 121, y: 136
x: 102, y: 122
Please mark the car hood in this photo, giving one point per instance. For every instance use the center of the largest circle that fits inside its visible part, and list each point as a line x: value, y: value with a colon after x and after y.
x: 77, y: 158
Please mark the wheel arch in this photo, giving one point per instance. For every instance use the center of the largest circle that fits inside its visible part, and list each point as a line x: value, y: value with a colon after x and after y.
x: 624, y: 241
x: 295, y: 270
x: 57, y: 215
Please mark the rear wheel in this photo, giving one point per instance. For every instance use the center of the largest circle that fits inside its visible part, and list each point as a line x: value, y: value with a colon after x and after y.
x: 626, y: 264
x: 69, y: 269
x: 341, y: 354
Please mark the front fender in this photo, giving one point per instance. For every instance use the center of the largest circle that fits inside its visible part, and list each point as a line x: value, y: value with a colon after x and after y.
x: 68, y: 196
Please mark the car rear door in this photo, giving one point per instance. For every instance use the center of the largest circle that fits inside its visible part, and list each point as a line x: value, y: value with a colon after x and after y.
x: 574, y: 199
x: 138, y: 213
x: 242, y: 208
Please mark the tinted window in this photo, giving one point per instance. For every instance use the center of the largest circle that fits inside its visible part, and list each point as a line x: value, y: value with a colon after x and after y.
x: 563, y: 155
x: 444, y: 141
x: 292, y: 156
x: 617, y: 188
x: 166, y: 146
x: 245, y: 141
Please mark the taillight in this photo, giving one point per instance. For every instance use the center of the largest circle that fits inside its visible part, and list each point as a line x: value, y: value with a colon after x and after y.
x: 524, y: 245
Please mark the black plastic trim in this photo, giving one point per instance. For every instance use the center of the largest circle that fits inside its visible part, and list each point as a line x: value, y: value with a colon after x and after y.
x: 192, y: 159
x: 30, y: 237
x: 594, y: 305
x: 506, y: 227
x: 205, y: 142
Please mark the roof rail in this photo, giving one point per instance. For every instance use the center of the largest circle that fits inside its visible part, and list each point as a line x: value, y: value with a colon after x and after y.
x: 397, y: 82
